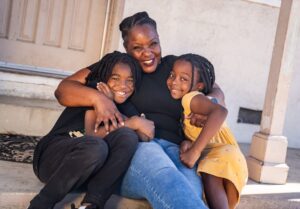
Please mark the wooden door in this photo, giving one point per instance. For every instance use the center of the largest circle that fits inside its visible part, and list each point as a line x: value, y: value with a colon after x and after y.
x: 58, y: 34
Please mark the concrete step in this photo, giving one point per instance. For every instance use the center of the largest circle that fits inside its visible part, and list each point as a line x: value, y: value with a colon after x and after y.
x: 27, y: 116
x: 18, y: 185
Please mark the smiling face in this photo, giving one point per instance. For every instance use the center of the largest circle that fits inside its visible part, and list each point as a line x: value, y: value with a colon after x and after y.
x: 143, y: 44
x: 180, y: 79
x: 121, y: 82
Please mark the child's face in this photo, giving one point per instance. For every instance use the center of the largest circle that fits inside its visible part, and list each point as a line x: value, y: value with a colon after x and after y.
x: 180, y: 79
x: 121, y: 82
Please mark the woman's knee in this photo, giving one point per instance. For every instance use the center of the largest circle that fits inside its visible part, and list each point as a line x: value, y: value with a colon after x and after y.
x: 151, y: 159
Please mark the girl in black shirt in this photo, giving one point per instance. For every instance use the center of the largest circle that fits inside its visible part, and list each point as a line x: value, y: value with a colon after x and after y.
x: 73, y: 154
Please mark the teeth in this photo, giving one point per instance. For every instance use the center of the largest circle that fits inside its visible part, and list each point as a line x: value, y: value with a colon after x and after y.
x: 122, y: 93
x: 148, y: 62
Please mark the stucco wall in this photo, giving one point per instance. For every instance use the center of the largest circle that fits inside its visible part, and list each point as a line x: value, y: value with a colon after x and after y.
x: 292, y: 120
x: 237, y: 36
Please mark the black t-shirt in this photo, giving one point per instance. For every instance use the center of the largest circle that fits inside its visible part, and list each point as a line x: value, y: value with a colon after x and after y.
x: 69, y: 122
x: 154, y: 100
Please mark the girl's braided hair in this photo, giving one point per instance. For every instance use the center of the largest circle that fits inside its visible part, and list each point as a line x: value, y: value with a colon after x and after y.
x: 204, y: 68
x: 101, y: 71
x: 140, y: 18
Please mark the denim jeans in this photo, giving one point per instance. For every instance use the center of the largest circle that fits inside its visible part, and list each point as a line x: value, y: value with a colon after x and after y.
x: 156, y: 174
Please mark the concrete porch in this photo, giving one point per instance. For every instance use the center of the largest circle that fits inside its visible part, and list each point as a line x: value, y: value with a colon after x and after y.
x: 18, y: 185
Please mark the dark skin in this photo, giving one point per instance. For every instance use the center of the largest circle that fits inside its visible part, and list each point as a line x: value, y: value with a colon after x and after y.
x: 179, y: 84
x: 143, y: 44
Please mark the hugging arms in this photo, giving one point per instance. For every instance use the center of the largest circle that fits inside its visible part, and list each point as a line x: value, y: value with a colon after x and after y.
x: 155, y: 168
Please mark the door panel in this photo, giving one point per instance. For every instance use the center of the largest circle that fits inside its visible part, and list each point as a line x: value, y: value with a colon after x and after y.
x: 59, y: 34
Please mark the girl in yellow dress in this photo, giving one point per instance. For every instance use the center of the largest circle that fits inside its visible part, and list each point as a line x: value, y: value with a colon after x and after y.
x: 221, y: 165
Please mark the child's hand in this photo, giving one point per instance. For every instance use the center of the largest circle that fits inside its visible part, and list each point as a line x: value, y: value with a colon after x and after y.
x: 102, y: 87
x: 143, y: 127
x: 190, y: 157
x: 146, y: 128
x: 185, y: 146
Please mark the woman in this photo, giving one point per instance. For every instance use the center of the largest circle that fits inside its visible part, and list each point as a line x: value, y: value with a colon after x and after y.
x: 156, y: 172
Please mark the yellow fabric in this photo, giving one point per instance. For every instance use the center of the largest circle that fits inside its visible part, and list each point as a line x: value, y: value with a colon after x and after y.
x: 222, y: 156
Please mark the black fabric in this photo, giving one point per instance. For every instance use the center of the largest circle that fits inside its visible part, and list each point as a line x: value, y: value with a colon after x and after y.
x: 154, y: 100
x: 64, y: 160
x: 90, y: 162
x: 70, y: 120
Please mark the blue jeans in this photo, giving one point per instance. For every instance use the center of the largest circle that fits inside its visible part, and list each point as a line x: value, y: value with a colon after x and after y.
x: 157, y: 174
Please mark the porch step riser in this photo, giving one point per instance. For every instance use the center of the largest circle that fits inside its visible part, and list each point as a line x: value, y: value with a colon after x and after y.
x: 21, y: 201
x: 32, y: 121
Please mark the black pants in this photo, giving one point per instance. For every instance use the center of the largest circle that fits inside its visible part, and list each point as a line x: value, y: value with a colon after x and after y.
x: 95, y: 163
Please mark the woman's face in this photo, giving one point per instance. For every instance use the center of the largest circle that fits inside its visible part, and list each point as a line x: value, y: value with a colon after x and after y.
x: 143, y: 44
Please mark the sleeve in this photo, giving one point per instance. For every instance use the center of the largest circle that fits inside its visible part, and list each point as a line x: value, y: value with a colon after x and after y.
x: 92, y: 84
x: 186, y: 101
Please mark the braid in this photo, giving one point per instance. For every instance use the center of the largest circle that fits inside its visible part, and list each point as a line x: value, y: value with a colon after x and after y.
x: 140, y: 18
x: 102, y: 71
x: 204, y: 68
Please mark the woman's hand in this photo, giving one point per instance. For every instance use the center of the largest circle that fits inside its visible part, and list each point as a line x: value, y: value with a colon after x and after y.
x: 103, y: 87
x: 197, y: 119
x: 72, y: 92
x: 106, y: 112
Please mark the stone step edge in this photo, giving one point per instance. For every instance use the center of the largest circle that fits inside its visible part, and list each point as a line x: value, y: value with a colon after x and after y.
x: 30, y: 102
x: 20, y: 200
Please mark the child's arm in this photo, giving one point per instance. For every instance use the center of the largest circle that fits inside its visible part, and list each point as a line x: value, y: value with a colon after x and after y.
x: 216, y: 115
x: 143, y: 127
x: 218, y: 95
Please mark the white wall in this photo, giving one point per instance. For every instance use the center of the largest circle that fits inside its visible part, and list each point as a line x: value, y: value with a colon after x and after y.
x: 292, y: 120
x: 237, y: 36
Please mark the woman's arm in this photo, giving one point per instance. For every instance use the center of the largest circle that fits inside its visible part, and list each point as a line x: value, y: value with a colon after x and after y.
x: 216, y: 115
x: 72, y: 92
x: 198, y: 119
x: 218, y: 94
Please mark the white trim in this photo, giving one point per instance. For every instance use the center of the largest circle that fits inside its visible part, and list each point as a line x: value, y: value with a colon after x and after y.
x: 33, y: 70
x: 107, y: 15
x: 273, y: 3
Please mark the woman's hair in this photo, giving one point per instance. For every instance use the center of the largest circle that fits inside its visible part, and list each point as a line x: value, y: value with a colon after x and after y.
x: 204, y: 68
x: 102, y: 70
x: 140, y: 18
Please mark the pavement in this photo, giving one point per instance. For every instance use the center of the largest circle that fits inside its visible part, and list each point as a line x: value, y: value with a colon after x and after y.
x: 18, y: 186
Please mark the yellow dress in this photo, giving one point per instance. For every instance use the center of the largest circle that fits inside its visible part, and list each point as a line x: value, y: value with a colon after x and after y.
x: 222, y: 156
